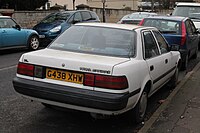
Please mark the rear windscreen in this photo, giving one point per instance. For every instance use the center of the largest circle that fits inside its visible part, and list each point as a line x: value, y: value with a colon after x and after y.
x: 165, y: 26
x: 97, y: 40
x: 187, y: 11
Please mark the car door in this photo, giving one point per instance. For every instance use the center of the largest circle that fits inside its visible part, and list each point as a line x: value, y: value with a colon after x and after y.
x: 154, y: 59
x: 195, y: 37
x: 1, y: 43
x: 192, y: 37
x: 167, y: 57
x: 11, y: 36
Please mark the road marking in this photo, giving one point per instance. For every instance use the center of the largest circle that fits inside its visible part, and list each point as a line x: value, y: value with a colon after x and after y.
x: 6, y: 68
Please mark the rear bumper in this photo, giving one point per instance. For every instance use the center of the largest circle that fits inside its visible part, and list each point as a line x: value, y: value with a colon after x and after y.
x: 70, y: 95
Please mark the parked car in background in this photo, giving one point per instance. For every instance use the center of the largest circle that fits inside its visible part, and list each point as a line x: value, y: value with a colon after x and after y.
x: 13, y: 36
x: 124, y: 17
x: 136, y: 17
x: 188, y: 9
x: 89, y: 67
x: 54, y: 24
x: 177, y: 30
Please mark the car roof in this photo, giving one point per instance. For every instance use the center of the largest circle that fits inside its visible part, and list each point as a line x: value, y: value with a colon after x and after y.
x: 187, y: 4
x: 73, y: 11
x: 113, y: 25
x: 174, y: 18
x: 153, y: 13
x: 5, y: 17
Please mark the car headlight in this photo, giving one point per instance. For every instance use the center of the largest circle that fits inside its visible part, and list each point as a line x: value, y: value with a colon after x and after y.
x: 56, y: 29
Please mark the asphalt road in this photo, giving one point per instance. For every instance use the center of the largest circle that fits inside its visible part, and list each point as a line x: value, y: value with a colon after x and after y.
x: 20, y: 115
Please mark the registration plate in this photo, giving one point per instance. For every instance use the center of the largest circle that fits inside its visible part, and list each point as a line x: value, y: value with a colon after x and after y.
x: 64, y: 76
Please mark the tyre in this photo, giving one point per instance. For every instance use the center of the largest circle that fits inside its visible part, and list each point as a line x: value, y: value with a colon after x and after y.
x: 139, y: 111
x: 196, y: 53
x: 174, y: 80
x: 47, y: 105
x: 33, y: 42
x: 185, y: 63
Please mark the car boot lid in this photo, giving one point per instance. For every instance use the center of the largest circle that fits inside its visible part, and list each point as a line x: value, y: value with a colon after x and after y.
x: 73, y: 61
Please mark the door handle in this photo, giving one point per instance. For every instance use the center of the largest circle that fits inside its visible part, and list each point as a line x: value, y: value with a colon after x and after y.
x: 166, y: 61
x: 151, y: 68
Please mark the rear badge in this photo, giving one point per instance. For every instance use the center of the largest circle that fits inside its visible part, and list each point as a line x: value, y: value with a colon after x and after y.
x: 63, y: 65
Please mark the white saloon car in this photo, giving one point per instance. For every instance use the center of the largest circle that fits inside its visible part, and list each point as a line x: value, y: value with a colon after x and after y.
x: 99, y: 68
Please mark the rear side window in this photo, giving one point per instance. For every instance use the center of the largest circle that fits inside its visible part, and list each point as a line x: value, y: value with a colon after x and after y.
x: 97, y: 40
x: 161, y: 42
x: 188, y: 27
x: 165, y: 26
x: 151, y: 48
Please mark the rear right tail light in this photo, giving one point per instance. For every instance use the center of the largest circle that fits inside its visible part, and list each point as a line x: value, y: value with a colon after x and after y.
x: 111, y: 82
x: 105, y: 81
x: 183, y: 34
x: 141, y: 22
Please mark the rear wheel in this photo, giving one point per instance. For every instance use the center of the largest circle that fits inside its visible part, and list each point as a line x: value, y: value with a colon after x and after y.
x: 174, y: 79
x: 185, y: 63
x: 33, y: 42
x: 47, y: 105
x: 196, y: 52
x: 140, y: 109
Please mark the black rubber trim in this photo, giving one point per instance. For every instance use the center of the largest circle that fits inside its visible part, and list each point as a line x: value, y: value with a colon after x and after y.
x: 165, y: 74
x: 74, y: 96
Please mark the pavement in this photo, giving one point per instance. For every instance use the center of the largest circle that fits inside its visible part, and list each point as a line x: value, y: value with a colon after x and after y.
x: 180, y: 112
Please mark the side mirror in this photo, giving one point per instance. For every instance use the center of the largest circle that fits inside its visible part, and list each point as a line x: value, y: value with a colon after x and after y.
x: 17, y: 27
x: 197, y: 31
x: 174, y: 47
x: 170, y: 14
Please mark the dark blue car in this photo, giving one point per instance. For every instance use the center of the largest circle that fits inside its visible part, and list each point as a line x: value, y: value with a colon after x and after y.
x: 177, y: 30
x: 54, y: 24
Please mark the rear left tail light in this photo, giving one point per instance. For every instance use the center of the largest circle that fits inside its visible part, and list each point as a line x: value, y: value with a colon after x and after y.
x: 25, y: 69
x: 108, y: 82
x: 30, y: 70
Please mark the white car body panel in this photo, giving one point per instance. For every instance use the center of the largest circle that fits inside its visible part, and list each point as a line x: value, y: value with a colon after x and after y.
x: 136, y: 69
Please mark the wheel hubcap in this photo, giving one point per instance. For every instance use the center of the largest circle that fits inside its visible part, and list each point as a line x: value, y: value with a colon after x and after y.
x: 34, y: 43
x: 143, y: 104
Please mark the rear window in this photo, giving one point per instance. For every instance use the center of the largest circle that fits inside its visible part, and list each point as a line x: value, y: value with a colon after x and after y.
x: 187, y: 11
x: 96, y: 40
x: 165, y: 26
x: 138, y: 16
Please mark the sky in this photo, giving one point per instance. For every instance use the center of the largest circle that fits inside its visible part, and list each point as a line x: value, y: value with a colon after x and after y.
x: 68, y: 3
